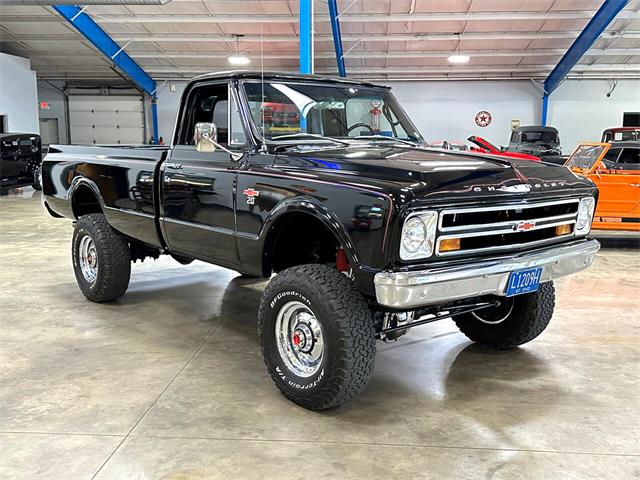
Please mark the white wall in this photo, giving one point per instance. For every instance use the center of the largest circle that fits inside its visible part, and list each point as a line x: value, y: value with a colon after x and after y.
x: 55, y: 98
x: 446, y: 110
x: 579, y: 109
x: 18, y: 94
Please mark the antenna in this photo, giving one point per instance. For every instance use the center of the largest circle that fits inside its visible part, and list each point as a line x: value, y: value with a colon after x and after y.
x: 263, y: 148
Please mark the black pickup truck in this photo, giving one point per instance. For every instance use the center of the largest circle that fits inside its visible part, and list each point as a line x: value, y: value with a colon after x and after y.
x: 327, y: 184
x: 20, y: 159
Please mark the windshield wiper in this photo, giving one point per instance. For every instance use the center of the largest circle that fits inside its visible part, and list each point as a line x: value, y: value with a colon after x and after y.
x: 389, y: 139
x: 291, y: 136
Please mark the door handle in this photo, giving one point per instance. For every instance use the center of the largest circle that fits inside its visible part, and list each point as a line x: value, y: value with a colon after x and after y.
x: 637, y: 185
x: 174, y: 166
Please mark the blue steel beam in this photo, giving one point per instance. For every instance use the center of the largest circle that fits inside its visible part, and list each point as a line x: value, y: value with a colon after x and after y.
x: 596, y: 26
x: 306, y: 36
x: 545, y: 108
x: 337, y: 37
x: 103, y: 42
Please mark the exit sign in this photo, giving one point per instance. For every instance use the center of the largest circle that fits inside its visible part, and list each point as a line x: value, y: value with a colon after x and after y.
x: 44, y: 105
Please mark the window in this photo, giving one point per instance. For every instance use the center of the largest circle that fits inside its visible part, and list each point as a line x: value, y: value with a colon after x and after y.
x: 629, y: 159
x: 539, y: 136
x: 208, y: 104
x: 611, y: 157
x: 586, y: 156
x: 237, y: 131
x: 338, y: 111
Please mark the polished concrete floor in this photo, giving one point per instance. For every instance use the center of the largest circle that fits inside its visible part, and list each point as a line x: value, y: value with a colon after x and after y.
x: 168, y: 383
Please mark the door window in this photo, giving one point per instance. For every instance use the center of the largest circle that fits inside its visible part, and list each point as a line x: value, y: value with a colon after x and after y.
x: 629, y: 159
x: 206, y: 104
x: 611, y: 157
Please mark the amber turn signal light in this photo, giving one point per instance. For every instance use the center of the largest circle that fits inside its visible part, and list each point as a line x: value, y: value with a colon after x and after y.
x: 450, y: 244
x: 563, y: 229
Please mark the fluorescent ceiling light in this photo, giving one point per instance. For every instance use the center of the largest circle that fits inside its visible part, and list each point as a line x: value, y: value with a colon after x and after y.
x: 238, y: 60
x: 458, y: 58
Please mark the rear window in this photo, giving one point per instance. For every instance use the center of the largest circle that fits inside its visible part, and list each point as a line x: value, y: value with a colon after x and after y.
x: 539, y: 136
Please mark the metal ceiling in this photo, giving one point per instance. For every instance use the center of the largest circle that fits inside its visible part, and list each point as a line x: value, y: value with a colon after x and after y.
x: 382, y: 39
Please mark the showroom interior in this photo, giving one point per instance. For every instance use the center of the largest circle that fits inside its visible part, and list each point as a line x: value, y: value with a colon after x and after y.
x: 293, y: 239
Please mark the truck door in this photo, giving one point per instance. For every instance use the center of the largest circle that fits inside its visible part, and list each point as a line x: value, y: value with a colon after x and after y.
x: 197, y: 211
x: 619, y: 184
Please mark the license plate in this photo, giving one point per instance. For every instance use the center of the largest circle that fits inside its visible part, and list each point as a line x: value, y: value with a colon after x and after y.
x: 524, y: 281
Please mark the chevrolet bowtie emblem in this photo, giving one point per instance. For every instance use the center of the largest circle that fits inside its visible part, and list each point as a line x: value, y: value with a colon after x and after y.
x: 525, y: 226
x: 251, y: 195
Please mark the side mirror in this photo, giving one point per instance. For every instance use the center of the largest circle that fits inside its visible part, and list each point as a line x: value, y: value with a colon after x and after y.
x: 206, y: 140
x: 206, y: 137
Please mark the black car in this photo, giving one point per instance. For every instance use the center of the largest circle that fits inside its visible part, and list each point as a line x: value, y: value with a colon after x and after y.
x: 542, y: 142
x: 20, y: 159
x: 328, y: 184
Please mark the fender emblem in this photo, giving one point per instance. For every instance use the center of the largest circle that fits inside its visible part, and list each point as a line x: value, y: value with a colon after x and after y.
x: 251, y: 195
x: 524, y: 226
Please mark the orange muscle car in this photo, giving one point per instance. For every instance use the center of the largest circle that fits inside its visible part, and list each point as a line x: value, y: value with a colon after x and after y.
x: 615, y: 169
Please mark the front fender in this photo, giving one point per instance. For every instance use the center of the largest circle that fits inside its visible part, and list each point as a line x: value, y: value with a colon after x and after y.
x: 313, y: 207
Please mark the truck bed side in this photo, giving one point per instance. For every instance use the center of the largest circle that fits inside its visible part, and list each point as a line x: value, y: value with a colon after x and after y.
x: 121, y: 179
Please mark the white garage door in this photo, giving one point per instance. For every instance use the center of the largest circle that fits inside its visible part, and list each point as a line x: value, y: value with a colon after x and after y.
x: 106, y: 119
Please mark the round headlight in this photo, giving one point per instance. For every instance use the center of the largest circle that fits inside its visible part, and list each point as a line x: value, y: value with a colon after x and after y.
x: 414, y: 234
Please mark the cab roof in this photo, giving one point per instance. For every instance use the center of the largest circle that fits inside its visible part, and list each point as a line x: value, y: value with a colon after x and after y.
x: 535, y: 128
x: 256, y: 74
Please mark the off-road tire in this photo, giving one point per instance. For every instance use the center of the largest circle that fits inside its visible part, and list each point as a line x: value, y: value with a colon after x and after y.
x: 37, y: 179
x: 530, y: 316
x: 114, y: 259
x: 348, y: 331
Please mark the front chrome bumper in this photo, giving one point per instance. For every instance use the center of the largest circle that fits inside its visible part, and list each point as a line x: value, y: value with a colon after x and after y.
x: 408, y: 289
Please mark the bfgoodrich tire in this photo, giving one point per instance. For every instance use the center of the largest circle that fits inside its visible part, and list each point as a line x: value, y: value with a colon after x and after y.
x: 101, y: 259
x: 317, y: 336
x: 516, y: 321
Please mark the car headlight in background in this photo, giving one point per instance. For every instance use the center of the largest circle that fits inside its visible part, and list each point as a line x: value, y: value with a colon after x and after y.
x: 418, y: 235
x: 585, y: 215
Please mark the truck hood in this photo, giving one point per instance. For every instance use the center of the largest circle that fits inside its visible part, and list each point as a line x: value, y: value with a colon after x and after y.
x: 433, y: 174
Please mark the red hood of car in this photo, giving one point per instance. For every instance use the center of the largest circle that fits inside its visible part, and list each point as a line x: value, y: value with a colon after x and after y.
x: 522, y: 156
x: 483, y: 146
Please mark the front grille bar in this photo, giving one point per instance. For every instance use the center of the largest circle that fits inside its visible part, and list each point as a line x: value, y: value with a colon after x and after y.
x: 505, y: 235
x: 521, y: 207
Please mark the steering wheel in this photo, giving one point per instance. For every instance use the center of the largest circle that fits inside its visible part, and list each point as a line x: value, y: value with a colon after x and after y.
x: 361, y: 124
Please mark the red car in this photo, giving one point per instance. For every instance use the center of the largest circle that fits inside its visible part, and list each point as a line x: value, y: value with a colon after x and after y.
x: 483, y: 146
x: 621, y: 134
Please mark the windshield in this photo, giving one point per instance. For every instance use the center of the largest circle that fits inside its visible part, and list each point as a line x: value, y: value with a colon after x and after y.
x: 539, y: 136
x: 312, y: 111
x: 585, y: 156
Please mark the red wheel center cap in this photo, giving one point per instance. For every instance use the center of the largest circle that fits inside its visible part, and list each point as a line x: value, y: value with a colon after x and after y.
x: 296, y: 339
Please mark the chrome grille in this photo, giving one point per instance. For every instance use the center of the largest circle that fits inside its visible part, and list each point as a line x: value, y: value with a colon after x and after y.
x: 505, y: 227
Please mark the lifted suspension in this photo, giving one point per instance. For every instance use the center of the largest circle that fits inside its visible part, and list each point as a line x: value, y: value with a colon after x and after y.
x: 447, y: 311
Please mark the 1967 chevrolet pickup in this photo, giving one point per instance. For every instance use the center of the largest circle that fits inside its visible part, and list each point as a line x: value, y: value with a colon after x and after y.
x: 328, y: 184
